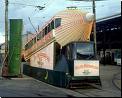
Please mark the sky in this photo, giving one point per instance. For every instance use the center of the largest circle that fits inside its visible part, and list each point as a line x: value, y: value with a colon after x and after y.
x: 23, y: 9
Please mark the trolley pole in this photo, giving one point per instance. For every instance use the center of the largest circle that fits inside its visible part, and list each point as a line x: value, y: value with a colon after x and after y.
x: 94, y: 25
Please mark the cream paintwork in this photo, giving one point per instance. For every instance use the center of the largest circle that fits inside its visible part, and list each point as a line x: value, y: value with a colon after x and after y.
x: 43, y: 58
x: 75, y: 26
x: 86, y: 68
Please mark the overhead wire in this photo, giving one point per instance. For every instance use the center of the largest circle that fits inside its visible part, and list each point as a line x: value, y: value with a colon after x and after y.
x: 15, y: 3
x: 37, y: 6
x: 45, y: 4
x: 32, y: 5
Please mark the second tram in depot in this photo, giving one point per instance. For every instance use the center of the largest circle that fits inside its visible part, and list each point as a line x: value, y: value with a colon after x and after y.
x: 61, y: 53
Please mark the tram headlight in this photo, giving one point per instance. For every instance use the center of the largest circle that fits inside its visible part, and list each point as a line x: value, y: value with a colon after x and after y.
x: 89, y: 17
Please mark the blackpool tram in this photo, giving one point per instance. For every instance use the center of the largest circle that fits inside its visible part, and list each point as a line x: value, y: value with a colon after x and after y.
x: 62, y: 54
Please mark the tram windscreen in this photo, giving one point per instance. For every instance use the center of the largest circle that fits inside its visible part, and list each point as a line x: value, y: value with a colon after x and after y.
x: 84, y: 50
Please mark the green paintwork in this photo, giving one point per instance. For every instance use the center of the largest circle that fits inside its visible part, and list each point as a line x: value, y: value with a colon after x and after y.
x: 15, y: 43
x: 57, y: 78
x: 52, y: 77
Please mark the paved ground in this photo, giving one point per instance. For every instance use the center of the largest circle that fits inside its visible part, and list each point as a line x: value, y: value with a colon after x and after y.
x: 111, y: 83
x: 29, y: 87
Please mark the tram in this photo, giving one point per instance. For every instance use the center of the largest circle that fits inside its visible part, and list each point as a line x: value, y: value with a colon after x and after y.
x: 62, y: 54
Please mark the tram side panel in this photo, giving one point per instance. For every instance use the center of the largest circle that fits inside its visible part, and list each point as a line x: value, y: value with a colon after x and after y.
x: 47, y: 66
x: 43, y: 58
x: 42, y: 66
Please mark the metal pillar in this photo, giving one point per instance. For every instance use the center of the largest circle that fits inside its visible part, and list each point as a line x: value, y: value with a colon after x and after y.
x: 94, y: 25
x: 6, y: 27
x: 5, y: 61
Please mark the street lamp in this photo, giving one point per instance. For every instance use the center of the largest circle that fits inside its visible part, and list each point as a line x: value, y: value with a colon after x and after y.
x: 94, y: 31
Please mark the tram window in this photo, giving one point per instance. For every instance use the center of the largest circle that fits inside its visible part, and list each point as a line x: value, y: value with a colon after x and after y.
x: 30, y: 44
x: 49, y: 29
x: 46, y: 30
x: 57, y: 22
x: 52, y: 25
x: 39, y: 36
x: 43, y: 33
x: 34, y: 40
x: 57, y: 52
x: 26, y: 46
x: 69, y: 55
x: 85, y: 50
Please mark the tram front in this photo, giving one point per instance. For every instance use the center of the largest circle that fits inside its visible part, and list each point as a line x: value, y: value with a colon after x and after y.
x: 82, y: 63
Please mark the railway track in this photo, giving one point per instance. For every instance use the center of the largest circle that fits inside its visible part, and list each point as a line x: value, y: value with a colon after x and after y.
x: 93, y: 90
x: 116, y: 77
